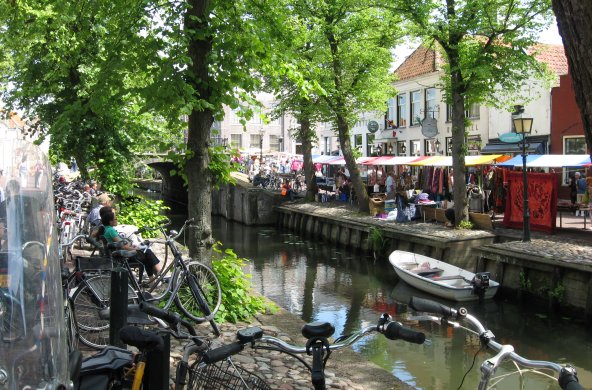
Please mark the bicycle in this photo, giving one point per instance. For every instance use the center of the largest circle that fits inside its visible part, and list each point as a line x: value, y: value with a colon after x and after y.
x: 444, y: 315
x: 193, y: 287
x: 214, y: 369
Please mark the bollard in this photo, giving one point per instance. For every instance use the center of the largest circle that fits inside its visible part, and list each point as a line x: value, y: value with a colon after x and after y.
x: 118, y: 309
x: 158, y: 366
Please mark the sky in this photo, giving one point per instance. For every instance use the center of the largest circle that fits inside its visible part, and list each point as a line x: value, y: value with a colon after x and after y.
x: 550, y: 36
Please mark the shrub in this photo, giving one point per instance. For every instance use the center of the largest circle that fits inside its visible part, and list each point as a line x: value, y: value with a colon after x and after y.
x: 239, y: 302
x: 142, y: 212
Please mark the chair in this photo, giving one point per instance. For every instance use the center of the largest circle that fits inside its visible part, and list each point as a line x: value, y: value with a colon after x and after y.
x: 133, y: 262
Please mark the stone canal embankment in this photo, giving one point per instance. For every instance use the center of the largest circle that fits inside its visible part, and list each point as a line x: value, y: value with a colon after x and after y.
x: 553, y: 270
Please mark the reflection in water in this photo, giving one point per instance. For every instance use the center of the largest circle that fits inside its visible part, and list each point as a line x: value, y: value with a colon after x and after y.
x: 320, y: 282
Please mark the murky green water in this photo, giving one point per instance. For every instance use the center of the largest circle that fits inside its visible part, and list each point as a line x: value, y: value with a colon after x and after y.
x: 319, y: 281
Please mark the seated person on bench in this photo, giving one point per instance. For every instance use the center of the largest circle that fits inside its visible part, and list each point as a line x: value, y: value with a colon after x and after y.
x: 146, y: 257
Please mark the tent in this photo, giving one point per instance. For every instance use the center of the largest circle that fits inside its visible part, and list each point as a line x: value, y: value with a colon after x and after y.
x: 324, y: 159
x: 549, y: 160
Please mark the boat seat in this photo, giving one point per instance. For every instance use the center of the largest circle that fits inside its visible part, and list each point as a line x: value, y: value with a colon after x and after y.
x: 427, y: 272
x: 449, y: 277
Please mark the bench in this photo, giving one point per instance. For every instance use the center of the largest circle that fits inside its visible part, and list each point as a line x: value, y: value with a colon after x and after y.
x: 481, y: 221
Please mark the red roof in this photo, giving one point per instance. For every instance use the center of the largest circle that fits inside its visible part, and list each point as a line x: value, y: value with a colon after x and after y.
x: 426, y: 60
x: 553, y: 56
x: 421, y: 61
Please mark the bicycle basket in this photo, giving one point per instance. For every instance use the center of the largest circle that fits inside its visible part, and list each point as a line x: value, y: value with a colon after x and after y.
x: 223, y: 375
x: 94, y: 263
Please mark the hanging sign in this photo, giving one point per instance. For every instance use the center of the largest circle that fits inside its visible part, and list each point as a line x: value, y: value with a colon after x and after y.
x: 511, y: 138
x: 429, y: 127
x: 373, y: 126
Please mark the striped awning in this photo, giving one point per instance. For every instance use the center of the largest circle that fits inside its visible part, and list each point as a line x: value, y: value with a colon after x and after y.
x: 549, y: 160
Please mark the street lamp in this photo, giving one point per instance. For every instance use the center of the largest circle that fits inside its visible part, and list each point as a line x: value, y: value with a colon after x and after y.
x: 437, y: 145
x: 261, y: 145
x: 524, y: 126
x: 379, y: 150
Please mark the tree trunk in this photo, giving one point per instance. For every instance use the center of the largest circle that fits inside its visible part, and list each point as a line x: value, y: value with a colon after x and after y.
x: 350, y: 163
x: 199, y: 178
x: 459, y: 191
x: 573, y: 20
x: 306, y: 136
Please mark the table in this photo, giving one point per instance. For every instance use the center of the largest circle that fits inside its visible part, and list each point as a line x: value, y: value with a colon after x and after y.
x: 425, y: 204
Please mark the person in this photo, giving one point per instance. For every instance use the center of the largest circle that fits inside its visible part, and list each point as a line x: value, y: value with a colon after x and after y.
x: 573, y: 191
x: 93, y: 188
x: 38, y: 173
x: 580, y: 190
x: 287, y: 190
x: 2, y: 235
x: 23, y: 171
x: 73, y: 165
x: 390, y: 185
x: 94, y: 216
x: 145, y: 256
x: 260, y: 179
x: 448, y: 205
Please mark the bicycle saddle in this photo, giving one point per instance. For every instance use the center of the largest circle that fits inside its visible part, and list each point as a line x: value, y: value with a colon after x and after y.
x: 318, y: 329
x: 124, y: 253
x: 141, y: 339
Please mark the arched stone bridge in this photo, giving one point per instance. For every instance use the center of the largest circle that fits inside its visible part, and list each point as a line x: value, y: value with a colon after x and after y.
x: 173, y: 187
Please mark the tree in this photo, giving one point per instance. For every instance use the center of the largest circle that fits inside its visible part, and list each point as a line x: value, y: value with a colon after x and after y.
x: 64, y: 66
x: 93, y: 70
x: 573, y: 18
x: 486, y: 45
x: 348, y: 51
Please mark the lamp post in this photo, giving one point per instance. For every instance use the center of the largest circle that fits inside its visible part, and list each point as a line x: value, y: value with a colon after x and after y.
x: 524, y: 126
x: 261, y: 145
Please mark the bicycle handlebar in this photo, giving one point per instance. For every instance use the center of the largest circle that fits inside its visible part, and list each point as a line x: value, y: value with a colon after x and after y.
x: 568, y: 379
x: 391, y: 329
x: 172, y: 318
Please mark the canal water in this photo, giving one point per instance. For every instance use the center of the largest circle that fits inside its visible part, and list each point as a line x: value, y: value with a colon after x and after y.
x: 321, y: 282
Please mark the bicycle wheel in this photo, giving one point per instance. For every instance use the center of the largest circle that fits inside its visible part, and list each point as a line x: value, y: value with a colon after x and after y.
x: 91, y: 297
x: 11, y: 319
x: 71, y: 326
x: 204, y: 306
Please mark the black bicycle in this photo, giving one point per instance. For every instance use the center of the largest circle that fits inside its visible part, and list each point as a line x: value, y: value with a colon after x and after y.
x: 191, y: 286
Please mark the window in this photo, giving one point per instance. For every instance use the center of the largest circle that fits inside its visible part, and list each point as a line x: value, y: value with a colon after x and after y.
x: 391, y: 113
x: 415, y: 148
x: 473, y: 112
x: 401, y: 111
x: 430, y: 103
x: 256, y: 141
x: 274, y: 143
x: 357, y: 140
x: 430, y: 147
x: 369, y: 144
x: 415, y: 108
x: 449, y: 146
x: 236, y: 140
x: 573, y: 145
x: 401, y: 148
x: 327, y: 145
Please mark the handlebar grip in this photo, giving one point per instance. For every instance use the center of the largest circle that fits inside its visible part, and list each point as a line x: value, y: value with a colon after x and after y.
x: 429, y: 306
x: 170, y: 317
x: 395, y: 330
x: 568, y: 380
x: 221, y: 353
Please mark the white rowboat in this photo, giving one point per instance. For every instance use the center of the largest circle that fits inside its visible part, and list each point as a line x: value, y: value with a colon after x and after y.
x: 442, y: 279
